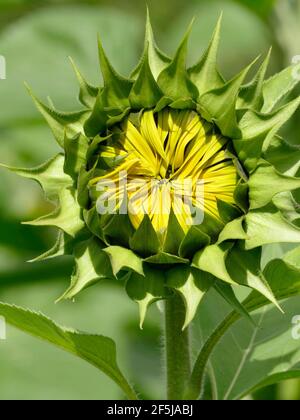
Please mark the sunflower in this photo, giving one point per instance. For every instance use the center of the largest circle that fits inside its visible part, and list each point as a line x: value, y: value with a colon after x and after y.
x: 173, y: 179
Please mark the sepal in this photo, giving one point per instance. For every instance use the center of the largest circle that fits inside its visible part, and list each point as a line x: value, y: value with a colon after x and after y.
x: 92, y: 265
x: 192, y: 285
x: 205, y: 74
x: 87, y: 93
x: 174, y: 80
x: 61, y: 123
x: 146, y: 289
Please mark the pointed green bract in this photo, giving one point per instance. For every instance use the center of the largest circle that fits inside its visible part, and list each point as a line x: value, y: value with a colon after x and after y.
x: 212, y: 260
x: 174, y: 235
x: 194, y: 240
x: 288, y: 207
x: 88, y: 93
x: 192, y: 285
x: 266, y: 182
x: 254, y: 124
x: 244, y: 268
x: 205, y: 74
x: 63, y: 246
x: 67, y: 215
x: 116, y: 88
x: 145, y: 92
x: 251, y: 96
x: 219, y: 105
x: 122, y: 259
x: 75, y: 154
x: 268, y: 226
x: 146, y: 289
x: 61, y: 123
x: 283, y: 156
x: 145, y: 240
x: 174, y: 80
x: 233, y: 230
x: 92, y: 265
x: 279, y: 86
x: 157, y: 59
x: 293, y: 258
x: 50, y: 176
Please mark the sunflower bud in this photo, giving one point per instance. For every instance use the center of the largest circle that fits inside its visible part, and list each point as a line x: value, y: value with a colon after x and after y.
x: 172, y: 179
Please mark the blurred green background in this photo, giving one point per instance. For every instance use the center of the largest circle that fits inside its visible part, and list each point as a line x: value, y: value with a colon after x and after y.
x: 36, y: 36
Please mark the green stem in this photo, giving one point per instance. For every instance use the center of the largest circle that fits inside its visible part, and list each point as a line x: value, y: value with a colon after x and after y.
x: 194, y: 387
x: 177, y: 348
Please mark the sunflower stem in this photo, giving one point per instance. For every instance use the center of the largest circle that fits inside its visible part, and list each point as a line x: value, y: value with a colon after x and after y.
x: 177, y: 345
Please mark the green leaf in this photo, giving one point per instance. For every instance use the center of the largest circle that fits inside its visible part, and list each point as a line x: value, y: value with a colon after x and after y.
x: 279, y: 86
x: 205, y: 74
x: 266, y: 182
x: 97, y: 350
x: 274, y: 273
x: 122, y: 258
x: 192, y: 285
x: 254, y: 354
x: 227, y: 293
x: 174, y: 80
x: 145, y: 240
x: 146, y: 289
x: 92, y: 265
x: 211, y: 226
x: 84, y: 178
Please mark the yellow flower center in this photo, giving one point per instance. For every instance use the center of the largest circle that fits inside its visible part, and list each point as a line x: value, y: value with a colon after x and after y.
x: 171, y: 161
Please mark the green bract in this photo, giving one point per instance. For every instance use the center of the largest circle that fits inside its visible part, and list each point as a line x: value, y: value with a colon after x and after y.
x: 212, y: 254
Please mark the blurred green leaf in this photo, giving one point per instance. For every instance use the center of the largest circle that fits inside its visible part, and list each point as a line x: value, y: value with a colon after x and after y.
x: 97, y: 350
x: 273, y: 329
x: 250, y: 358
